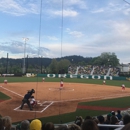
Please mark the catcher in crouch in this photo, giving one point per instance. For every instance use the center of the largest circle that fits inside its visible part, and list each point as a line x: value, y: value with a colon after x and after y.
x: 33, y: 102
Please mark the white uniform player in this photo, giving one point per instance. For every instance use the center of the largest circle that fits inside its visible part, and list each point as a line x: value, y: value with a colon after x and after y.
x: 61, y: 84
x: 104, y: 82
x: 123, y: 87
x: 5, y: 81
x: 33, y: 102
x: 43, y: 79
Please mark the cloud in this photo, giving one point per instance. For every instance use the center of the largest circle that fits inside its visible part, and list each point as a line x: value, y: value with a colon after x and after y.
x: 71, y: 8
x: 66, y: 13
x: 20, y: 8
x: 16, y: 47
x: 74, y: 33
x: 17, y: 7
x: 98, y: 11
x: 112, y: 8
x: 121, y: 29
x: 126, y: 11
x: 79, y: 3
x: 67, y: 49
x: 52, y: 38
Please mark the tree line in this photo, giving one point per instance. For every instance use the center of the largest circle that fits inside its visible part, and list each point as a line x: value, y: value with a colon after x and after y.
x: 55, y: 65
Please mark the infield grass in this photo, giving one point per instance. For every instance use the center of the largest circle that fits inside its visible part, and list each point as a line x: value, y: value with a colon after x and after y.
x: 3, y: 96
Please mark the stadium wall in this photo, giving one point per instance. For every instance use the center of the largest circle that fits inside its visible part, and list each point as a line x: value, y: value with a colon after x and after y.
x: 81, y: 76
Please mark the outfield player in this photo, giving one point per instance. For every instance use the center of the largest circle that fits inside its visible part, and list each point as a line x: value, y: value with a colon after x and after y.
x: 43, y: 79
x: 104, y: 81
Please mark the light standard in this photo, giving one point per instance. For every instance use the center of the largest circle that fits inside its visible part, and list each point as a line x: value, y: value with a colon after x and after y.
x: 41, y: 57
x: 25, y: 39
x: 41, y: 64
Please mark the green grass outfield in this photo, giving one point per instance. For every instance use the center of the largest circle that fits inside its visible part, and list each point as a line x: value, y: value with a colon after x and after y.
x: 118, y: 102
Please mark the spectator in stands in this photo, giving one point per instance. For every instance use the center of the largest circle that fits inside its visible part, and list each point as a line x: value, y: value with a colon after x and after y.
x: 126, y: 119
x: 79, y: 120
x: 87, y: 117
x: 119, y: 116
x: 36, y: 124
x: 48, y: 126
x: 95, y: 119
x: 89, y: 124
x: 7, y: 122
x: 126, y: 127
x: 63, y: 127
x: 18, y: 127
x: 1, y: 124
x: 107, y: 121
x: 113, y: 113
x: 123, y: 113
x: 74, y: 127
x: 25, y: 125
x: 102, y: 121
x: 113, y: 121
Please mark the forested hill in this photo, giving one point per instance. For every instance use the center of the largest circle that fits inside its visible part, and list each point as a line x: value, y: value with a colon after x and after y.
x: 78, y: 60
x: 105, y: 58
x: 44, y: 61
x: 55, y: 65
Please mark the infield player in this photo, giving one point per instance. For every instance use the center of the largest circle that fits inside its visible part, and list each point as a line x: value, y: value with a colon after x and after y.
x: 123, y: 87
x: 61, y: 84
x: 33, y: 102
x: 5, y: 81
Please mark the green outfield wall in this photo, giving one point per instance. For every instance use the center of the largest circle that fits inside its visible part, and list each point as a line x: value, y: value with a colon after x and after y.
x: 81, y: 76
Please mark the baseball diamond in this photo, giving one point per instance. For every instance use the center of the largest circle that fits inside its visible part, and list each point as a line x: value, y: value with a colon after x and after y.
x: 48, y: 100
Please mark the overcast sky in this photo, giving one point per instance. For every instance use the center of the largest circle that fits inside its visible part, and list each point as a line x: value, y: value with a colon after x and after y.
x: 82, y: 27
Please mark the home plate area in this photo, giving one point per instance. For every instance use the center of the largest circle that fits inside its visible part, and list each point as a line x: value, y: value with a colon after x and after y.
x: 40, y: 107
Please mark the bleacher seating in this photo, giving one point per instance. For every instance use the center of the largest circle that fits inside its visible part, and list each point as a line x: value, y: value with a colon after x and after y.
x: 94, y: 70
x: 98, y: 123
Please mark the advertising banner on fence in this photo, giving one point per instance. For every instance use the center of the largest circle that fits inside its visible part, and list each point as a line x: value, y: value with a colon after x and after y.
x: 81, y: 76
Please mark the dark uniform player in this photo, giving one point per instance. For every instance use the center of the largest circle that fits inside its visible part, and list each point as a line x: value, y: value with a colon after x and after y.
x: 31, y: 91
x: 26, y: 99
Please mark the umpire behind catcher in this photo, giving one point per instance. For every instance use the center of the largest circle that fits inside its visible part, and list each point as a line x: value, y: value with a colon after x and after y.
x: 31, y: 91
x: 26, y: 99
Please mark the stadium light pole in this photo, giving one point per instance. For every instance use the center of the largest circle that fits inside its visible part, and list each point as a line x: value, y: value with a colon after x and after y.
x: 25, y: 40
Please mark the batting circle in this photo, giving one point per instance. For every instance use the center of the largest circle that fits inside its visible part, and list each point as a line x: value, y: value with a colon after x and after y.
x: 61, y: 89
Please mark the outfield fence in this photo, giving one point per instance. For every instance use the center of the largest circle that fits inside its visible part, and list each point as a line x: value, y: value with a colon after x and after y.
x: 82, y: 76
